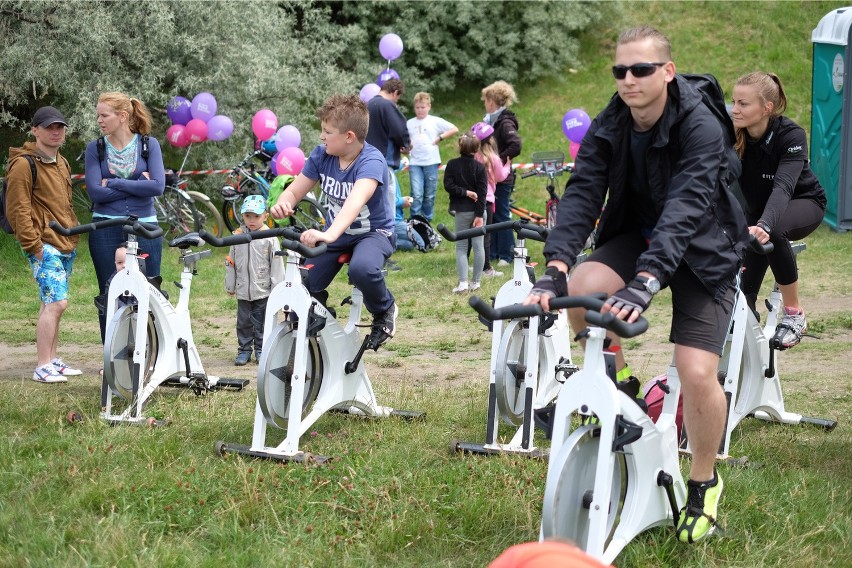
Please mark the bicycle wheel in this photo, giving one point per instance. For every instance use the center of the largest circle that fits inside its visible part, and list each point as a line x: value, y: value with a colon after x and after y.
x: 207, y: 216
x: 274, y: 379
x: 309, y: 214
x: 231, y: 213
x: 569, y: 488
x: 510, y: 378
x: 119, y: 345
x: 80, y: 201
x: 176, y: 212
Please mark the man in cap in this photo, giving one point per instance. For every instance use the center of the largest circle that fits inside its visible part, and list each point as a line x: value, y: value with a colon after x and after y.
x: 39, y: 191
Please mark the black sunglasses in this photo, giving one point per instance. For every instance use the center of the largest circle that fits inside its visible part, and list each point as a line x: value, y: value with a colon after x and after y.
x: 637, y: 69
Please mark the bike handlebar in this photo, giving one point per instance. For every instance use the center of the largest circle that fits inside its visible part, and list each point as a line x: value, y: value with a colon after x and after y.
x: 290, y: 240
x: 524, y: 230
x: 593, y: 304
x: 755, y: 245
x: 539, y: 171
x: 131, y: 225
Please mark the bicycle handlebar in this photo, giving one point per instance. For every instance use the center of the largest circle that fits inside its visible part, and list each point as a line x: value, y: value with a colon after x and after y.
x: 593, y: 304
x: 755, y: 245
x: 131, y: 225
x: 290, y: 240
x: 539, y: 171
x: 523, y: 228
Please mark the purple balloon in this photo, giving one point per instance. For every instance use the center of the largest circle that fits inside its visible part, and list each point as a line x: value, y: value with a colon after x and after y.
x: 390, y: 46
x: 369, y: 91
x: 386, y: 75
x: 219, y: 127
x: 575, y: 123
x: 288, y: 136
x: 178, y: 111
x: 203, y: 106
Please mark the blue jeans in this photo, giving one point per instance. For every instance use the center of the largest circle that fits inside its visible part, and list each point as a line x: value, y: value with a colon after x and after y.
x: 502, y: 242
x: 403, y: 241
x: 424, y: 187
x: 369, y: 253
x: 102, y: 245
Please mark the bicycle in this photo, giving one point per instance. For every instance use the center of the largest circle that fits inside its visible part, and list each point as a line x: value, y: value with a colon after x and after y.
x: 614, y: 472
x: 530, y: 356
x: 253, y: 176
x: 206, y: 216
x: 311, y: 363
x: 549, y: 164
x: 148, y: 340
x: 748, y: 371
x: 176, y: 209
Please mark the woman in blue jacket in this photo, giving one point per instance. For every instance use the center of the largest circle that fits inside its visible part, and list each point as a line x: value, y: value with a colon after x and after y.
x: 124, y: 173
x: 783, y: 198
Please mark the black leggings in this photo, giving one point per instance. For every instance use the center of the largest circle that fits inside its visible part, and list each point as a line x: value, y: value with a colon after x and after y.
x: 800, y: 219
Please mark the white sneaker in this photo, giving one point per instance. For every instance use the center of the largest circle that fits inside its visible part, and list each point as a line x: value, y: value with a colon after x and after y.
x: 64, y: 369
x: 461, y: 288
x: 474, y: 286
x: 48, y: 374
x: 491, y: 273
x: 503, y: 263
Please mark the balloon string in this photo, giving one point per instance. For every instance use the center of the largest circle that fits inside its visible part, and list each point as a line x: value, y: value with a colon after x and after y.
x: 388, y: 69
x: 180, y: 171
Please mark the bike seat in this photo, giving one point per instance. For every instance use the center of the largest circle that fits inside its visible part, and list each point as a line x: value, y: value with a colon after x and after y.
x: 344, y: 258
x: 186, y: 241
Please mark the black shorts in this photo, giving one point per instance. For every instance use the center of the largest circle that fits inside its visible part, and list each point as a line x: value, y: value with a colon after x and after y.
x: 698, y: 320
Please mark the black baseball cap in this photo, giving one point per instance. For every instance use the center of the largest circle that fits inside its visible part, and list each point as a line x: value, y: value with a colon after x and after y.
x: 45, y: 116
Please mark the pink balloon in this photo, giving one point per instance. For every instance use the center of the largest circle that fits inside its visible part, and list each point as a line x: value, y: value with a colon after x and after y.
x: 176, y: 135
x: 196, y: 130
x: 573, y: 148
x: 264, y: 124
x: 287, y: 137
x: 369, y: 91
x: 289, y: 161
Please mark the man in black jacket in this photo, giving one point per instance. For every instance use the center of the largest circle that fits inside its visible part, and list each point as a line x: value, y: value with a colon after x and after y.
x: 669, y: 221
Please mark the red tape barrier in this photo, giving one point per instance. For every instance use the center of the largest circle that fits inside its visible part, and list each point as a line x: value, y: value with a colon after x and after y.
x: 215, y: 172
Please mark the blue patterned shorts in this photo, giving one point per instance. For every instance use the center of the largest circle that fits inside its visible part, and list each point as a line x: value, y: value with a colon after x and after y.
x: 52, y: 273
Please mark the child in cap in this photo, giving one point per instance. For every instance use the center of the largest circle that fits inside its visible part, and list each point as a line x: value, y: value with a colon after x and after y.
x: 497, y: 172
x: 251, y: 271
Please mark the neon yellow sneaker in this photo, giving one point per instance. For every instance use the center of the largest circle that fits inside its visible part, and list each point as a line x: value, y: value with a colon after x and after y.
x: 698, y: 517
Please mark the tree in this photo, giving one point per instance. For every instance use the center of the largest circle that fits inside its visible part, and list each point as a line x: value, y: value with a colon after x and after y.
x: 288, y: 56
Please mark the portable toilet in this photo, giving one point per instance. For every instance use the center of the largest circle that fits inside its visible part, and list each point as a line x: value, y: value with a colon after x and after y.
x: 831, y: 113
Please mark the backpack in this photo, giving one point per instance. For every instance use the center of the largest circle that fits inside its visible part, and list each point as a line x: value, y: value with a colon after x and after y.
x: 102, y: 148
x: 4, y: 219
x: 279, y: 184
x: 714, y: 100
x: 420, y: 231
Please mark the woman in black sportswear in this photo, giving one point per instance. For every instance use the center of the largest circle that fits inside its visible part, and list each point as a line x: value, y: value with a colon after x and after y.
x: 784, y: 200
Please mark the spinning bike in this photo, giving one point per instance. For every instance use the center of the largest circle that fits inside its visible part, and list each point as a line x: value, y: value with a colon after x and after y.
x: 530, y: 356
x: 148, y: 341
x: 610, y: 478
x: 748, y: 371
x: 311, y: 363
